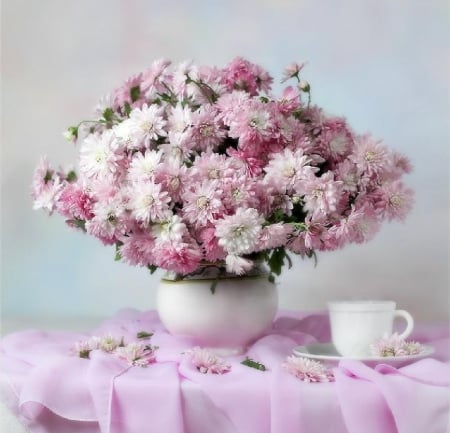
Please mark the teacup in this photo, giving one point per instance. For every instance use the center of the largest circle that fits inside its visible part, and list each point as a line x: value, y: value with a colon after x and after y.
x: 355, y: 325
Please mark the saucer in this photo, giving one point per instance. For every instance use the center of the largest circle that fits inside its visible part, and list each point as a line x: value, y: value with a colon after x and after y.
x: 326, y: 352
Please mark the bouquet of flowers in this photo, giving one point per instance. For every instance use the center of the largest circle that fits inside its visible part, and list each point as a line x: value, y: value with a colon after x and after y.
x: 185, y: 165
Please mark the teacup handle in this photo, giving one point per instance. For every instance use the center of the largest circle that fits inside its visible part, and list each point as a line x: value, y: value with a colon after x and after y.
x: 409, y: 322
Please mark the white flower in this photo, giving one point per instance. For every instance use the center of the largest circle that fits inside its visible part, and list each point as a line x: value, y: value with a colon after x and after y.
x: 98, y: 157
x: 172, y: 229
x: 147, y: 123
x: 238, y: 234
x: 237, y: 265
x: 148, y: 203
x: 142, y: 167
x: 47, y: 196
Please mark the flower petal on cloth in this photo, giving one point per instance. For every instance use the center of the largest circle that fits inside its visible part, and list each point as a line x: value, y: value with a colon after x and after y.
x: 411, y: 396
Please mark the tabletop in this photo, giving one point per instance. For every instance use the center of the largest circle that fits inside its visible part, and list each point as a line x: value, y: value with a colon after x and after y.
x: 161, y: 383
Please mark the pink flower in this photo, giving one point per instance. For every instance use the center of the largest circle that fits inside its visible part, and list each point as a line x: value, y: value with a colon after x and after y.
x: 289, y: 101
x: 252, y: 124
x: 288, y: 171
x: 203, y: 202
x: 148, y: 202
x: 322, y: 195
x: 180, y: 257
x: 397, y: 200
x: 242, y: 75
x: 210, y: 244
x: 307, y: 370
x: 154, y: 78
x: 206, y: 362
x: 393, y: 345
x: 207, y: 132
x: 371, y: 156
x: 274, y: 236
x: 137, y: 249
x: 360, y: 226
x: 74, y: 202
x: 137, y: 354
x: 292, y: 71
x: 129, y: 92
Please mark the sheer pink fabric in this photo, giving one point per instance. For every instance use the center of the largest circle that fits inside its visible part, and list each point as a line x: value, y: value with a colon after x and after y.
x: 52, y: 390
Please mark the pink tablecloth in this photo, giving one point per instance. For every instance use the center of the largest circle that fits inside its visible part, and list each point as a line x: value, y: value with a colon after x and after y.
x: 52, y: 390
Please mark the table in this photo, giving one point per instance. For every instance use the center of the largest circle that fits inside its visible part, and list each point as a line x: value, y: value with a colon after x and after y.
x: 51, y: 389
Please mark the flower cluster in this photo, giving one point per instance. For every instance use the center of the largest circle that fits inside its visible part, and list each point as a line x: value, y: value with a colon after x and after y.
x: 135, y: 354
x: 394, y: 345
x: 307, y: 369
x: 207, y: 362
x: 183, y: 165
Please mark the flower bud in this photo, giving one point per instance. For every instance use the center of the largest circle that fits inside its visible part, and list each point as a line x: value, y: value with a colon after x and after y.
x: 304, y: 86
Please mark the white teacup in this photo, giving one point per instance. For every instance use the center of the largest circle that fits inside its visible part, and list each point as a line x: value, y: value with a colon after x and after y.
x: 355, y: 325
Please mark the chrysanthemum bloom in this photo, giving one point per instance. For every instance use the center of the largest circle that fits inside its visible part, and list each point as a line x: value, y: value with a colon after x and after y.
x: 207, y: 362
x: 143, y: 166
x: 137, y: 249
x: 137, y: 354
x: 394, y: 345
x: 182, y: 257
x: 83, y: 348
x: 187, y: 163
x: 203, y: 202
x: 238, y: 233
x: 307, y: 370
x: 148, y: 202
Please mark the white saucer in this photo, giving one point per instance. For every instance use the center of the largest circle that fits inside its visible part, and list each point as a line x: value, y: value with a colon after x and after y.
x: 326, y: 352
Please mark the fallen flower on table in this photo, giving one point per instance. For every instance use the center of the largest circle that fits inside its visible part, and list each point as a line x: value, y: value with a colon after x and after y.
x: 137, y: 354
x: 394, y: 345
x: 83, y: 348
x: 307, y: 370
x: 207, y: 362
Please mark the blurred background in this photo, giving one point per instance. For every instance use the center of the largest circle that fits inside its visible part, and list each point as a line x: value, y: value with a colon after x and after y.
x: 383, y: 64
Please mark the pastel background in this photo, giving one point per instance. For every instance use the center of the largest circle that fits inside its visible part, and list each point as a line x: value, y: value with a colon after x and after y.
x: 384, y: 64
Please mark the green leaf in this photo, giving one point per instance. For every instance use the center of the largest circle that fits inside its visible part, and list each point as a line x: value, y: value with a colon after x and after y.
x: 78, y: 223
x: 264, y: 99
x: 127, y: 109
x: 135, y: 93
x: 118, y: 256
x: 71, y: 176
x: 271, y: 278
x: 48, y: 176
x: 144, y: 334
x: 108, y: 114
x: 152, y: 269
x: 253, y: 364
x: 214, y: 285
x: 84, y: 354
x: 276, y: 260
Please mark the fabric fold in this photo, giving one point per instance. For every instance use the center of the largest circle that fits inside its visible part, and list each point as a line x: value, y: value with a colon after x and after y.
x: 412, y: 399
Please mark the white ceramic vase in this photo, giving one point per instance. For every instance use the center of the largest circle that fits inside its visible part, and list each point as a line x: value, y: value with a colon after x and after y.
x: 224, y: 313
